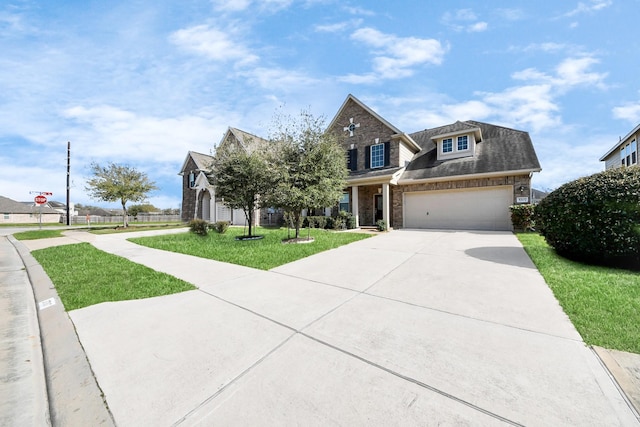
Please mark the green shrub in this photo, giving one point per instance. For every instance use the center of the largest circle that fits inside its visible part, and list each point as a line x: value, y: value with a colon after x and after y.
x: 595, y: 219
x: 339, y: 224
x: 199, y: 227
x: 220, y: 227
x: 522, y: 216
x: 348, y: 219
x: 382, y: 226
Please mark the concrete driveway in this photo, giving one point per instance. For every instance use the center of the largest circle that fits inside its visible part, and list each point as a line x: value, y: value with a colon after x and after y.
x: 406, y: 328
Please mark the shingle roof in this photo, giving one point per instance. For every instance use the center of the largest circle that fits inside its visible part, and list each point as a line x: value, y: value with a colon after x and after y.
x: 202, y: 161
x: 501, y: 150
x: 8, y: 205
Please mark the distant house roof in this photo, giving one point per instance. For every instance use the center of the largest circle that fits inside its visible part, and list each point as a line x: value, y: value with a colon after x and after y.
x: 244, y: 138
x: 8, y: 205
x: 619, y: 143
x: 500, y: 150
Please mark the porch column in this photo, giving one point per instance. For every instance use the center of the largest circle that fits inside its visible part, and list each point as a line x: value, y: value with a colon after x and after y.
x: 385, y: 204
x: 354, y: 209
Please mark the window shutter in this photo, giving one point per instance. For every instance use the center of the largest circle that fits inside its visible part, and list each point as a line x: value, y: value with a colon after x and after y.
x: 353, y: 159
x: 387, y: 153
x: 367, y: 157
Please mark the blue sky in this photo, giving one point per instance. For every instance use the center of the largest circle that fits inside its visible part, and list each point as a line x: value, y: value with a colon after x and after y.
x: 142, y: 82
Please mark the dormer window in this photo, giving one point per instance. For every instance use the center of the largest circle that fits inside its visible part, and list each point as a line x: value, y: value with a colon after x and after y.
x: 447, y: 145
x: 463, y: 143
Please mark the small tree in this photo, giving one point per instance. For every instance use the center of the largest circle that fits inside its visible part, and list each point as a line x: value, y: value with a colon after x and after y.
x: 310, y: 163
x: 242, y: 175
x: 119, y: 183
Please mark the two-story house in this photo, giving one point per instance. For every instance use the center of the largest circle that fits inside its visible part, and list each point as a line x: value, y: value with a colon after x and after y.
x: 463, y: 175
x: 624, y: 153
x: 199, y: 199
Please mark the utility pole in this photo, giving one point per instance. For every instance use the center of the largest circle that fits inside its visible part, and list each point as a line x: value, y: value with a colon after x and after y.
x: 68, y: 176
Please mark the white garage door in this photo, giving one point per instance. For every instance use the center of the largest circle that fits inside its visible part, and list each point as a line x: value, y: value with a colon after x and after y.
x: 481, y: 209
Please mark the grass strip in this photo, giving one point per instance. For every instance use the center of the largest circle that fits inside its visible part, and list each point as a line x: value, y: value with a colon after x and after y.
x: 265, y: 254
x: 38, y: 234
x: 84, y: 275
x: 603, y: 303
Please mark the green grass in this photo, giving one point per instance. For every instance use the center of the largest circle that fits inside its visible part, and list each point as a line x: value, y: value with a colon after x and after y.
x: 117, y: 228
x: 264, y: 254
x: 38, y: 234
x: 84, y: 275
x: 603, y: 303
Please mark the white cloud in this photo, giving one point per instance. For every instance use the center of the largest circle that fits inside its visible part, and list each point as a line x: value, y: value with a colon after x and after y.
x: 358, y: 11
x: 510, y: 14
x: 569, y: 73
x: 279, y: 79
x: 592, y: 6
x: 338, y: 26
x: 394, y: 57
x: 109, y: 132
x: 213, y: 43
x: 549, y: 47
x: 242, y: 5
x: 477, y: 27
x: 464, y: 20
x: 629, y: 112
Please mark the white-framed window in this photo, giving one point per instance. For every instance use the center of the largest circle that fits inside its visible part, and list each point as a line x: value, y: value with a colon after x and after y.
x: 447, y: 145
x: 629, y: 154
x: 377, y: 156
x: 7, y: 215
x: 192, y: 180
x: 344, y: 202
x: 463, y: 143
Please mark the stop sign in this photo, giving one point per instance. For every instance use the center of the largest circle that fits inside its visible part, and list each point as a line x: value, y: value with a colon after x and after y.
x: 40, y: 200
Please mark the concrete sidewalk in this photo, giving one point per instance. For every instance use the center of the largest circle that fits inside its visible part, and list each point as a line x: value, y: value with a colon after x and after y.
x: 407, y: 328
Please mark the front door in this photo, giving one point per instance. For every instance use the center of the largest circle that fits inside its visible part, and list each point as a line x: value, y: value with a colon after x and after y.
x: 377, y: 207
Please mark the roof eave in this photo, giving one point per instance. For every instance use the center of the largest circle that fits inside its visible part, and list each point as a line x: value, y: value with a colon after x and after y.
x: 408, y: 181
x: 619, y: 143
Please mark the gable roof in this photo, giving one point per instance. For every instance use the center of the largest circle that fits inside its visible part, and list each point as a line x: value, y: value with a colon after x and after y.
x: 202, y: 162
x: 398, y: 133
x: 244, y: 138
x: 502, y: 150
x: 619, y: 143
x: 8, y: 205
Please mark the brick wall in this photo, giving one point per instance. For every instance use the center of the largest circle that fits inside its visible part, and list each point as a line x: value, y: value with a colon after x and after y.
x: 370, y: 129
x: 516, y: 181
x: 188, y: 194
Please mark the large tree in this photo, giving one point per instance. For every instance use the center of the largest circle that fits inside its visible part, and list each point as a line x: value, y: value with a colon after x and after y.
x: 242, y: 175
x: 121, y: 183
x: 311, y: 168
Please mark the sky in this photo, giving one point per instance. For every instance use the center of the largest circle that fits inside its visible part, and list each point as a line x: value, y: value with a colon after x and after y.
x: 142, y: 82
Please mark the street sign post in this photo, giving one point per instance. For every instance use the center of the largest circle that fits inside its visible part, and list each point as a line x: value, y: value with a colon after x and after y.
x: 40, y: 200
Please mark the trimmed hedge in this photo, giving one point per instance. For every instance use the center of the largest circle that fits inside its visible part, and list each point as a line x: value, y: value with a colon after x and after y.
x: 522, y: 217
x: 199, y: 227
x: 595, y: 219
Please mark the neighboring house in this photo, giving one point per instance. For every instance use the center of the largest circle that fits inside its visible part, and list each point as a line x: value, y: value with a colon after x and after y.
x: 464, y: 175
x: 537, y: 196
x: 13, y: 212
x: 460, y: 176
x: 625, y: 152
x: 199, y: 198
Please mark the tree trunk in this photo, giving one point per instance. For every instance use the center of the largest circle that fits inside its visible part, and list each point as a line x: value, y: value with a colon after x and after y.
x: 250, y: 219
x: 125, y: 222
x: 296, y: 217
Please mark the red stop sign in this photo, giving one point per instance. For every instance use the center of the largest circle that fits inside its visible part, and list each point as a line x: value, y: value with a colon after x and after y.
x: 40, y: 200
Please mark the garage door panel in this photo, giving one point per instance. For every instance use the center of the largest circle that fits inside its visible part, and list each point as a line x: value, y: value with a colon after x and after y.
x: 485, y: 209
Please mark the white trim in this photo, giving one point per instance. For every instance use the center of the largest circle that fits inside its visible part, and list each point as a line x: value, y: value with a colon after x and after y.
x: 462, y: 177
x: 619, y: 143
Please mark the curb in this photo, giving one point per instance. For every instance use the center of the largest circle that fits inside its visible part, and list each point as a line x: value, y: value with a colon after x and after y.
x: 619, y: 377
x: 74, y: 396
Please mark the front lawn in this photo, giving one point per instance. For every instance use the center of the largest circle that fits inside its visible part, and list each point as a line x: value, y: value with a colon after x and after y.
x: 264, y: 254
x: 38, y: 234
x: 603, y: 303
x: 84, y: 275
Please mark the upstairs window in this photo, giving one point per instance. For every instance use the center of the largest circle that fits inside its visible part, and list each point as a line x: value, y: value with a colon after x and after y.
x: 629, y: 154
x: 192, y: 180
x: 447, y: 145
x: 463, y: 143
x: 377, y: 156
